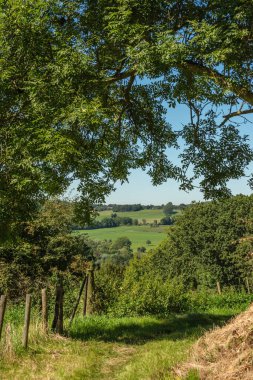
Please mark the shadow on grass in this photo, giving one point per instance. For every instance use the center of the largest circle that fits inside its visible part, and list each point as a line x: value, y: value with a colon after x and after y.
x: 143, y: 329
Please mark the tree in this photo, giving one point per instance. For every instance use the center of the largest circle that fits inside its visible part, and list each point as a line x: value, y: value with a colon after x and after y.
x: 211, y: 242
x: 167, y: 221
x: 93, y: 113
x: 168, y: 209
x: 141, y: 249
x: 121, y: 242
x: 182, y: 206
x: 44, y: 252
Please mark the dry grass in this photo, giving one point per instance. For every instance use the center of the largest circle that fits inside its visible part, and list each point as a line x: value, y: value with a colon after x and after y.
x: 225, y: 353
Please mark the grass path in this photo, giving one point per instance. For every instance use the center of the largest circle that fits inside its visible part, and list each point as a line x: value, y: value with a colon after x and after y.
x: 143, y: 348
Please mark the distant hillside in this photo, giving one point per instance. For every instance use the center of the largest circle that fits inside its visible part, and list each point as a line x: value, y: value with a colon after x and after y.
x: 149, y: 215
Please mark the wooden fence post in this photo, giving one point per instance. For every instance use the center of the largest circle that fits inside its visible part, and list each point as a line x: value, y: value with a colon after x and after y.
x: 85, y: 296
x: 218, y: 287
x: 59, y: 327
x: 90, y: 290
x: 44, y: 310
x: 27, y: 320
x: 57, y: 324
x: 247, y: 284
x: 3, y: 301
x: 77, y: 302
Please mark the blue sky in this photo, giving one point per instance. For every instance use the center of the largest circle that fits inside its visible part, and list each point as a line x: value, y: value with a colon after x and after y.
x: 139, y: 189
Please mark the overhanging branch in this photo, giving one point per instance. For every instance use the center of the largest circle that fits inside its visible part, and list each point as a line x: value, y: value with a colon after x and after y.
x: 120, y: 76
x: 236, y: 113
x: 223, y: 81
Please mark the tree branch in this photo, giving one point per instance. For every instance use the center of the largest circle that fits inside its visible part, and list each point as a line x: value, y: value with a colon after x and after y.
x: 236, y: 113
x: 120, y: 76
x: 223, y: 81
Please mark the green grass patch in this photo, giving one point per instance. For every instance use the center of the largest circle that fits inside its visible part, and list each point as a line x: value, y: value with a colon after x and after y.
x: 110, y: 348
x: 137, y: 234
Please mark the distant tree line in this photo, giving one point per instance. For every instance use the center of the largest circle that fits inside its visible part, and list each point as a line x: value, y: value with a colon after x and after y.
x: 168, y: 208
x: 116, y: 221
x: 110, y: 222
x: 127, y: 207
x: 122, y: 208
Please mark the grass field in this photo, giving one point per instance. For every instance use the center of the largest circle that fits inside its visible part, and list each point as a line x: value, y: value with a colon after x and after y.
x: 149, y: 215
x: 137, y: 234
x: 137, y: 348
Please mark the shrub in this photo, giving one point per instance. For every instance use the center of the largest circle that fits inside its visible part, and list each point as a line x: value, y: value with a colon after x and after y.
x: 145, y: 290
x: 208, y: 299
x: 108, y: 281
x: 151, y: 296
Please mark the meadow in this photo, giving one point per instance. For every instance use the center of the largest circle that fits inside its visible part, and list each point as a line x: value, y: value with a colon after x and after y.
x: 148, y: 215
x: 137, y: 234
x: 100, y: 347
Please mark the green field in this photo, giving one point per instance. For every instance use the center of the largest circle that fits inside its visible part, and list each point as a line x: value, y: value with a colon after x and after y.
x: 137, y: 234
x: 149, y: 215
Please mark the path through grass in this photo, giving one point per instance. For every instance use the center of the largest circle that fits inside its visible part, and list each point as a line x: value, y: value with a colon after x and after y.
x: 111, y: 348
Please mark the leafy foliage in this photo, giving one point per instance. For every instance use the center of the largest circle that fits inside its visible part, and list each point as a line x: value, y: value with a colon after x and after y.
x: 212, y: 242
x: 117, y: 253
x: 44, y: 252
x: 108, y: 280
x: 85, y: 87
x: 168, y: 209
x: 146, y: 288
x: 209, y: 242
x: 144, y: 291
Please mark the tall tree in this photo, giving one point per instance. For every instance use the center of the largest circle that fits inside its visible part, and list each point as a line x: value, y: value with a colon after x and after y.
x: 85, y: 87
x: 168, y: 209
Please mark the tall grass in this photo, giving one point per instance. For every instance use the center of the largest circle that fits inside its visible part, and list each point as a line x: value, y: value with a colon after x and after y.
x: 102, y: 347
x: 11, y: 342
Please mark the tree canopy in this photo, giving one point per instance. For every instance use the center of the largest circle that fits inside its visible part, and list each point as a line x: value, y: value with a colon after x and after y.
x: 168, y: 209
x: 85, y: 87
x: 211, y: 241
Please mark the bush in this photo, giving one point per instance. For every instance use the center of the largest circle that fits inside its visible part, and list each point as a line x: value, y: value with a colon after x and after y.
x: 145, y: 290
x: 108, y: 281
x: 208, y: 299
x: 151, y: 296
